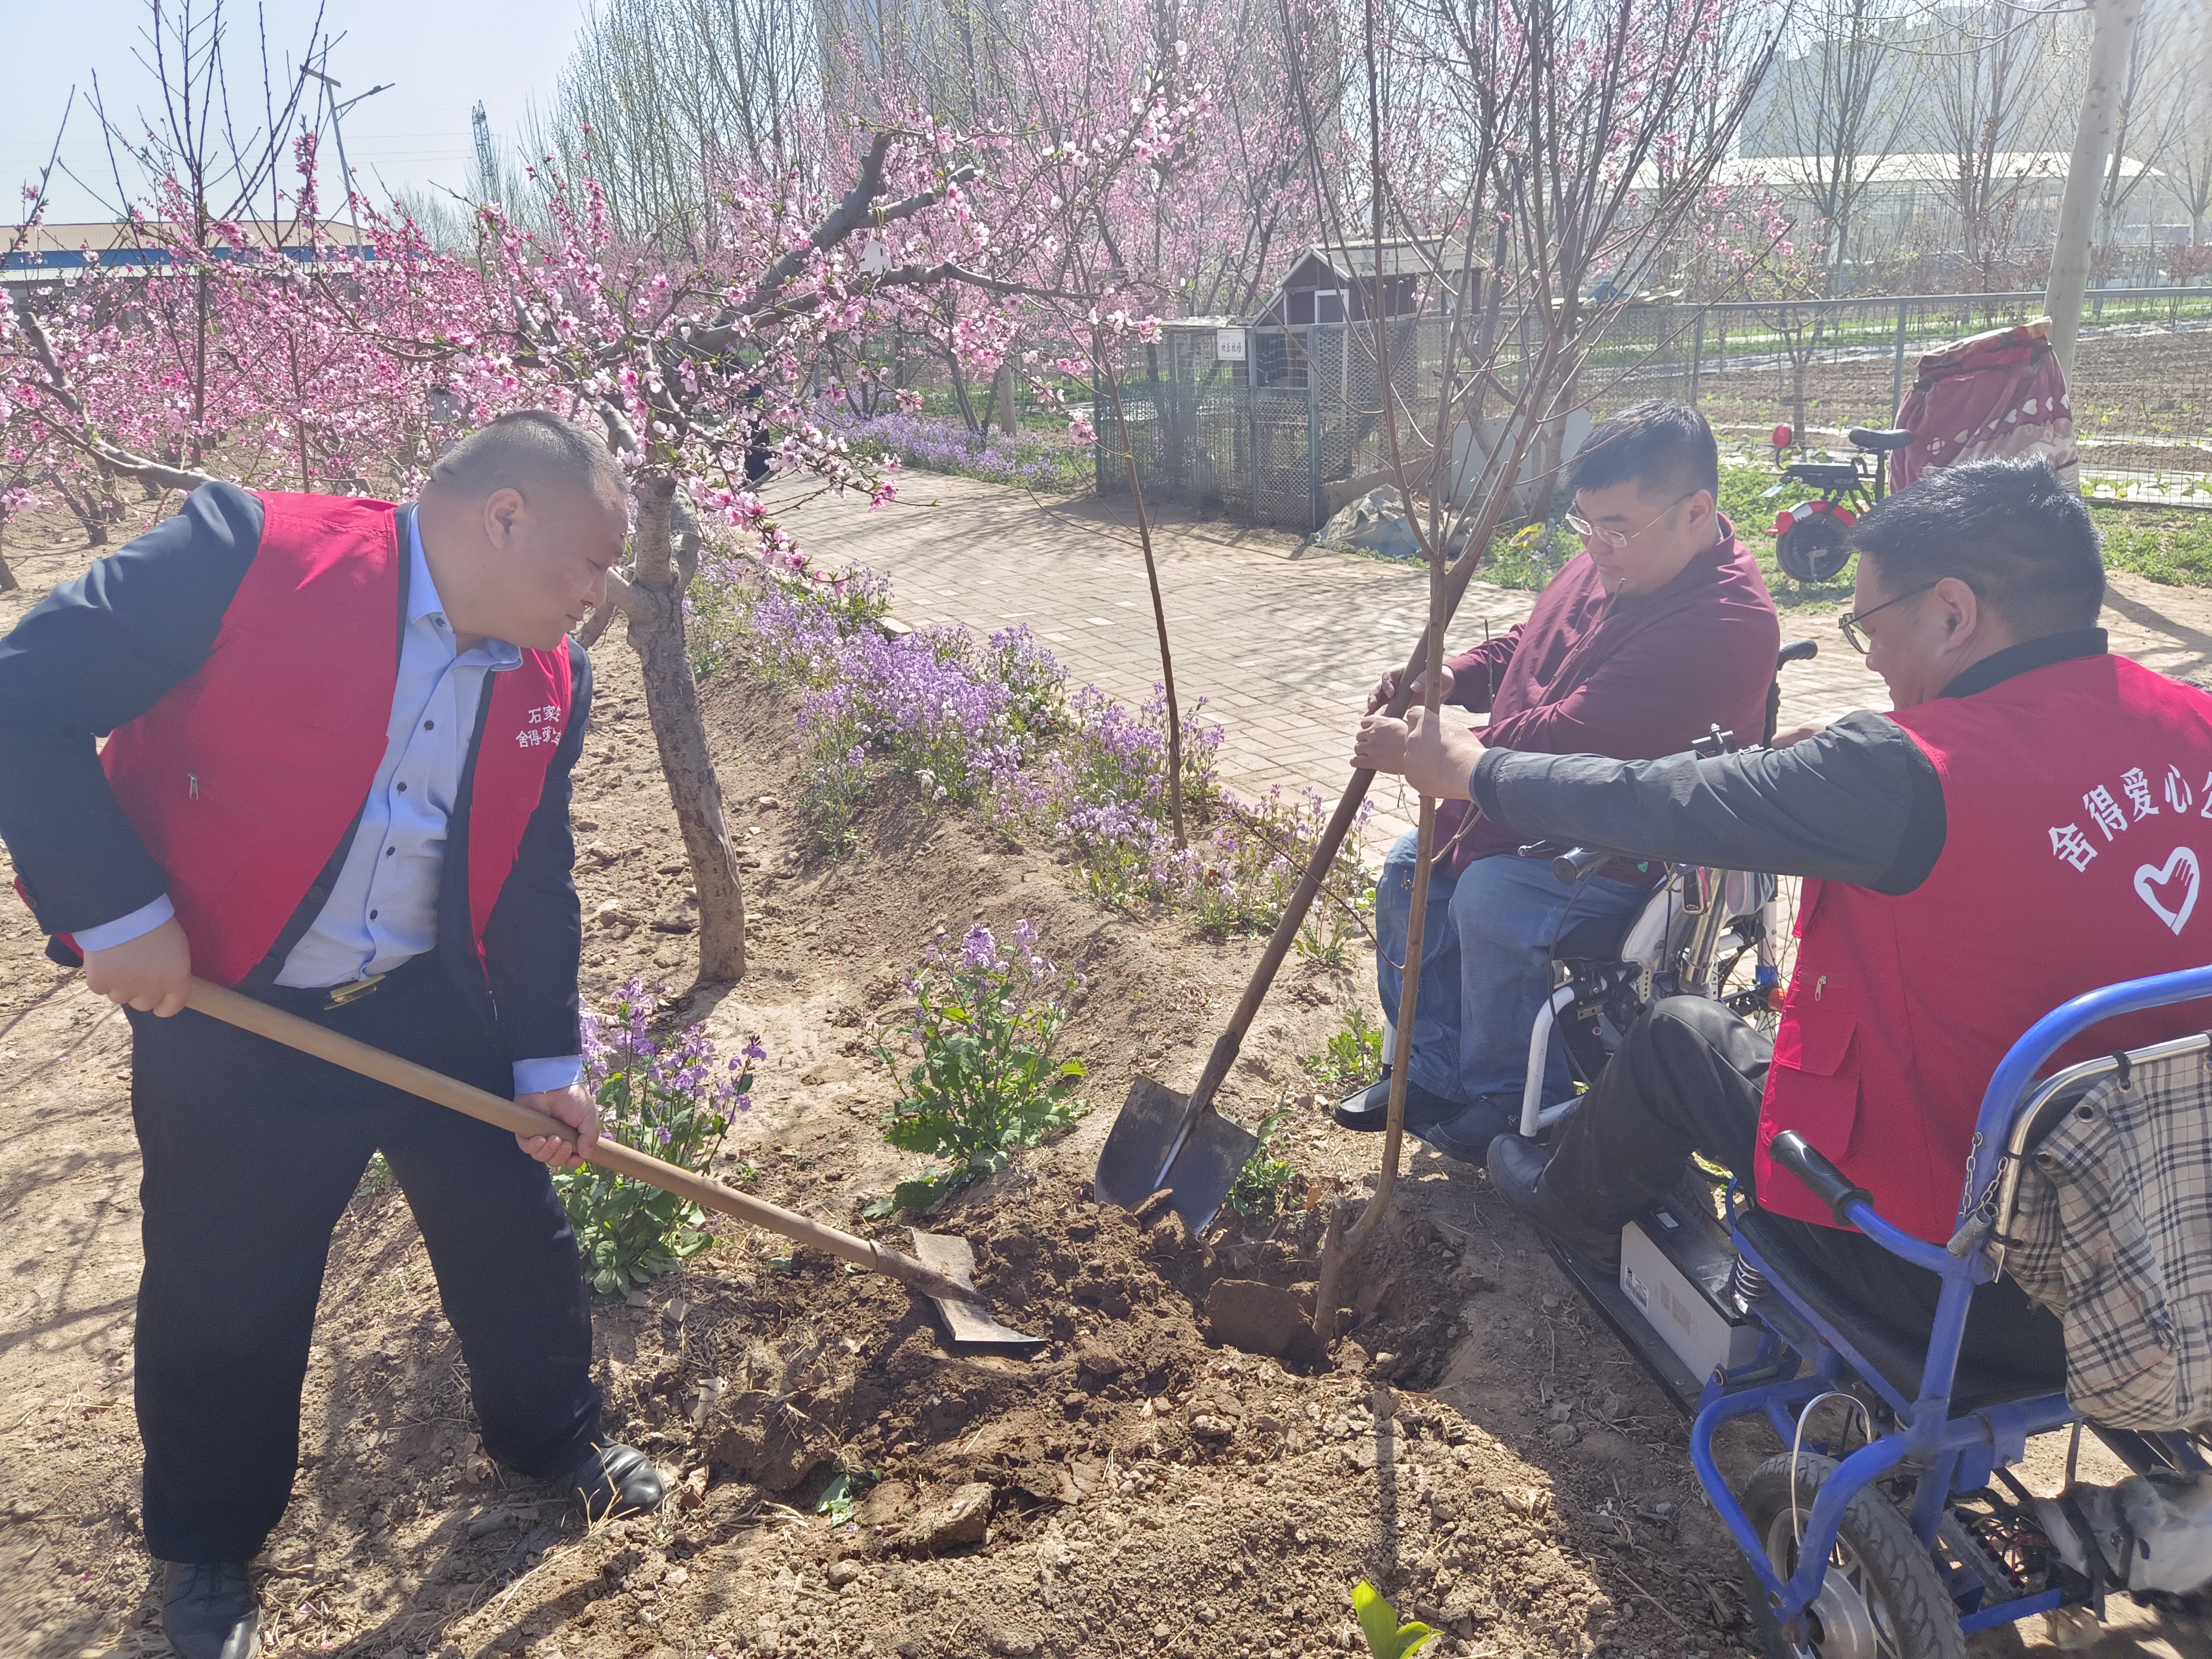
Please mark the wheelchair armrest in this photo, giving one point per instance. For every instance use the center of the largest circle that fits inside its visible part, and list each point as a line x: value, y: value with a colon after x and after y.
x: 1825, y: 1180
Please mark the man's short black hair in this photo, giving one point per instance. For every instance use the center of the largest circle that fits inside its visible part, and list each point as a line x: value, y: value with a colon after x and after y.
x: 1666, y: 448
x: 531, y: 448
x: 2009, y: 530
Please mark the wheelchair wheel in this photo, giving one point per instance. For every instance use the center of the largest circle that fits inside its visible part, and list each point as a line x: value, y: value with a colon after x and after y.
x: 1737, y: 979
x: 1883, y: 1598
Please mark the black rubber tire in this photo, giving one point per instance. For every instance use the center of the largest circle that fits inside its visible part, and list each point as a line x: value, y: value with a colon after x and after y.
x: 1912, y: 1615
x: 1812, y: 550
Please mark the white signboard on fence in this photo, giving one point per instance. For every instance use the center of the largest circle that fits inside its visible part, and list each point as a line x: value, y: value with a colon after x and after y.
x: 1228, y: 345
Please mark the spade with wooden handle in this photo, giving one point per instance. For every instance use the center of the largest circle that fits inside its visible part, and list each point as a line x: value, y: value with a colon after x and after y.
x: 967, y: 1316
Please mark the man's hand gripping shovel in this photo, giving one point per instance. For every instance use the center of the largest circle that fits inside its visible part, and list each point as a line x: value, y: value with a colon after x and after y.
x: 945, y: 1275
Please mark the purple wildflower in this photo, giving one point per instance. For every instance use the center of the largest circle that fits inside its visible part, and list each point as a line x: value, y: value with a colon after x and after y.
x: 979, y: 949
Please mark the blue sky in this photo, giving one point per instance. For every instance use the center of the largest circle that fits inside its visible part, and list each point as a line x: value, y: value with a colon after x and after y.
x: 441, y: 55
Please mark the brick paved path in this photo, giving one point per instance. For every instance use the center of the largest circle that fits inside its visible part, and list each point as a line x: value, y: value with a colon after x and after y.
x: 1283, y: 642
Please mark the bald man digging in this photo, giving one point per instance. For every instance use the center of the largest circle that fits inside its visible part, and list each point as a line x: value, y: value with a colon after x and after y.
x: 338, y: 780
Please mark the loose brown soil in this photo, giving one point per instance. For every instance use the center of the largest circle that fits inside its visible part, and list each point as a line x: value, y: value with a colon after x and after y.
x: 1475, y: 1443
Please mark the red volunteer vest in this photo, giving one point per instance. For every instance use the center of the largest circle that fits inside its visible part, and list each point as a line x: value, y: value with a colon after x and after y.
x: 242, y: 780
x: 2078, y: 800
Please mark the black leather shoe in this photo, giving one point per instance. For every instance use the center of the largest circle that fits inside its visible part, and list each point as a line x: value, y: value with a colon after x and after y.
x: 1516, y: 1173
x: 615, y: 1480
x: 1368, y: 1111
x: 209, y: 1611
x: 1466, y: 1134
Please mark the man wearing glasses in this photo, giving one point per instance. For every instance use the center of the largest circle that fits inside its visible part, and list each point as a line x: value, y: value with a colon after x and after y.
x: 1658, y: 631
x: 2027, y: 825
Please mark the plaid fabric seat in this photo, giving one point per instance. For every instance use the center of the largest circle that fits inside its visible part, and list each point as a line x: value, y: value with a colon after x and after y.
x: 2113, y: 1231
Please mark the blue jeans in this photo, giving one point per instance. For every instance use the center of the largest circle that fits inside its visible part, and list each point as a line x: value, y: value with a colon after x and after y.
x: 1485, y: 965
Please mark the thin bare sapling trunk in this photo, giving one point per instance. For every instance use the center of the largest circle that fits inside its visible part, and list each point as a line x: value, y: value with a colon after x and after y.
x: 1107, y: 378
x: 1349, y: 1246
x: 653, y: 601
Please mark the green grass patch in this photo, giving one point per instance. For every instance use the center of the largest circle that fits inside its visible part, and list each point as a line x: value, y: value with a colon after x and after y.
x: 2173, y: 544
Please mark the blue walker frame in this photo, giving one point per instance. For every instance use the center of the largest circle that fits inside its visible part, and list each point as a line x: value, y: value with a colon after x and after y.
x: 1953, y: 1454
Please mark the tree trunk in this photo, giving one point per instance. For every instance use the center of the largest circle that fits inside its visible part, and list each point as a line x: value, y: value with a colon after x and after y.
x: 654, y: 608
x: 1159, y: 606
x: 2112, y: 38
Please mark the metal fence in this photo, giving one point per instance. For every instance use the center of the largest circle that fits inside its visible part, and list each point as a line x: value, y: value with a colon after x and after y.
x: 2142, y: 370
x: 1260, y: 440
x: 1257, y: 439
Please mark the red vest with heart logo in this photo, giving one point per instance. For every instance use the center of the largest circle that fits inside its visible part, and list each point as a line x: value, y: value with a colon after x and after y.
x: 242, y: 779
x: 2077, y: 854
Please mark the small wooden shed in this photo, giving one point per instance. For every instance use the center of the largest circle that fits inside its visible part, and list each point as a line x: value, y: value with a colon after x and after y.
x: 1339, y: 284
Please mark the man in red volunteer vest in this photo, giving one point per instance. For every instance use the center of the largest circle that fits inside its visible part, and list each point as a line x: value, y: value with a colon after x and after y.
x: 338, y: 778
x: 2030, y: 822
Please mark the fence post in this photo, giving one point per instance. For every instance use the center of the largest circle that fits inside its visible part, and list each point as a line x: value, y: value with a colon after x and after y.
x: 1314, y: 520
x: 1251, y: 398
x: 1897, y: 368
x: 1697, y: 353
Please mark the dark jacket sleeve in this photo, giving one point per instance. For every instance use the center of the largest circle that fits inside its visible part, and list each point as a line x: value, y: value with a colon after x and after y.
x: 94, y: 654
x: 535, y: 935
x: 1476, y: 674
x: 1860, y: 803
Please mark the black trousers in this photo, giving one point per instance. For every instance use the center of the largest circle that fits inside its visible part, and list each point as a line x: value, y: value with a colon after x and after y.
x: 251, y: 1151
x: 1688, y: 1077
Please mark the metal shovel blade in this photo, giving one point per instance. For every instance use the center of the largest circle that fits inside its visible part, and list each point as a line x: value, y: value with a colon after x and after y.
x: 965, y: 1322
x: 1141, y: 1157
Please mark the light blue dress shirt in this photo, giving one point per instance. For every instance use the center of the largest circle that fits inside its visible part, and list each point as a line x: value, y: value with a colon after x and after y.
x: 384, y: 907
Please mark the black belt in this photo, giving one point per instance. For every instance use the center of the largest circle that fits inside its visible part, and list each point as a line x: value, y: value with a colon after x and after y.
x: 327, y: 999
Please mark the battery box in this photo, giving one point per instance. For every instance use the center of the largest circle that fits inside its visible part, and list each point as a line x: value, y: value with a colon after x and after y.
x: 1675, y: 1272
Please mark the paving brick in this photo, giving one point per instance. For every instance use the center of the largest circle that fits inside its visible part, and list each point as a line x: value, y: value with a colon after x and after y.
x: 1282, y: 641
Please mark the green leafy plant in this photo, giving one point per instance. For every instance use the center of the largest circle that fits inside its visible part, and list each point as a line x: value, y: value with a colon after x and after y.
x: 1267, y: 1173
x: 1352, y: 1055
x: 1327, y: 936
x: 986, y: 1023
x: 1378, y: 1622
x: 377, y: 1179
x: 672, y: 1101
x: 840, y: 1496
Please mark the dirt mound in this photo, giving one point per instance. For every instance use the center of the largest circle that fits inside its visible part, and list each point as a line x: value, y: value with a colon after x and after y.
x: 1136, y: 1488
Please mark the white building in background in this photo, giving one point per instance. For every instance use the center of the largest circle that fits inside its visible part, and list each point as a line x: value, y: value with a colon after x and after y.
x: 1913, y: 198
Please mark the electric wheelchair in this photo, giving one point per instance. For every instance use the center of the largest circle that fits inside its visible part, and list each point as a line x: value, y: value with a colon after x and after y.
x: 1923, y: 1532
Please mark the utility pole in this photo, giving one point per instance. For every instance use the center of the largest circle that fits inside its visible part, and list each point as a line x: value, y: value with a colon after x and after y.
x: 338, y: 113
x: 2114, y: 21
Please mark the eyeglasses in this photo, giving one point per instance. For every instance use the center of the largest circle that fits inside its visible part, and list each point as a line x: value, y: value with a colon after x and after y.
x: 1850, y: 625
x: 1612, y: 539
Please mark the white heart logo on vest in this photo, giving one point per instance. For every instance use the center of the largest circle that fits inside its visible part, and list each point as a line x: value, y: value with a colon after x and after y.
x: 2149, y: 877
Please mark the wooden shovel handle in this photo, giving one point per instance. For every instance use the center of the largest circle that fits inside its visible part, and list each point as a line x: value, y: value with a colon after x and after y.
x: 1231, y: 1042
x: 234, y: 1008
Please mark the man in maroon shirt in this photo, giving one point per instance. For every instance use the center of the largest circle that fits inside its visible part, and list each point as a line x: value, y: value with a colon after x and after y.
x: 1658, y: 631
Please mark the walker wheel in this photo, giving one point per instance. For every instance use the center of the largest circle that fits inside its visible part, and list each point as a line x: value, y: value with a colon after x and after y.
x: 1883, y: 1598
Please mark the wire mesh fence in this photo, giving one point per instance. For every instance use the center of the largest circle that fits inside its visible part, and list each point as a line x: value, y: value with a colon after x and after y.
x: 1262, y: 437
x: 2141, y: 385
x: 1257, y: 438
